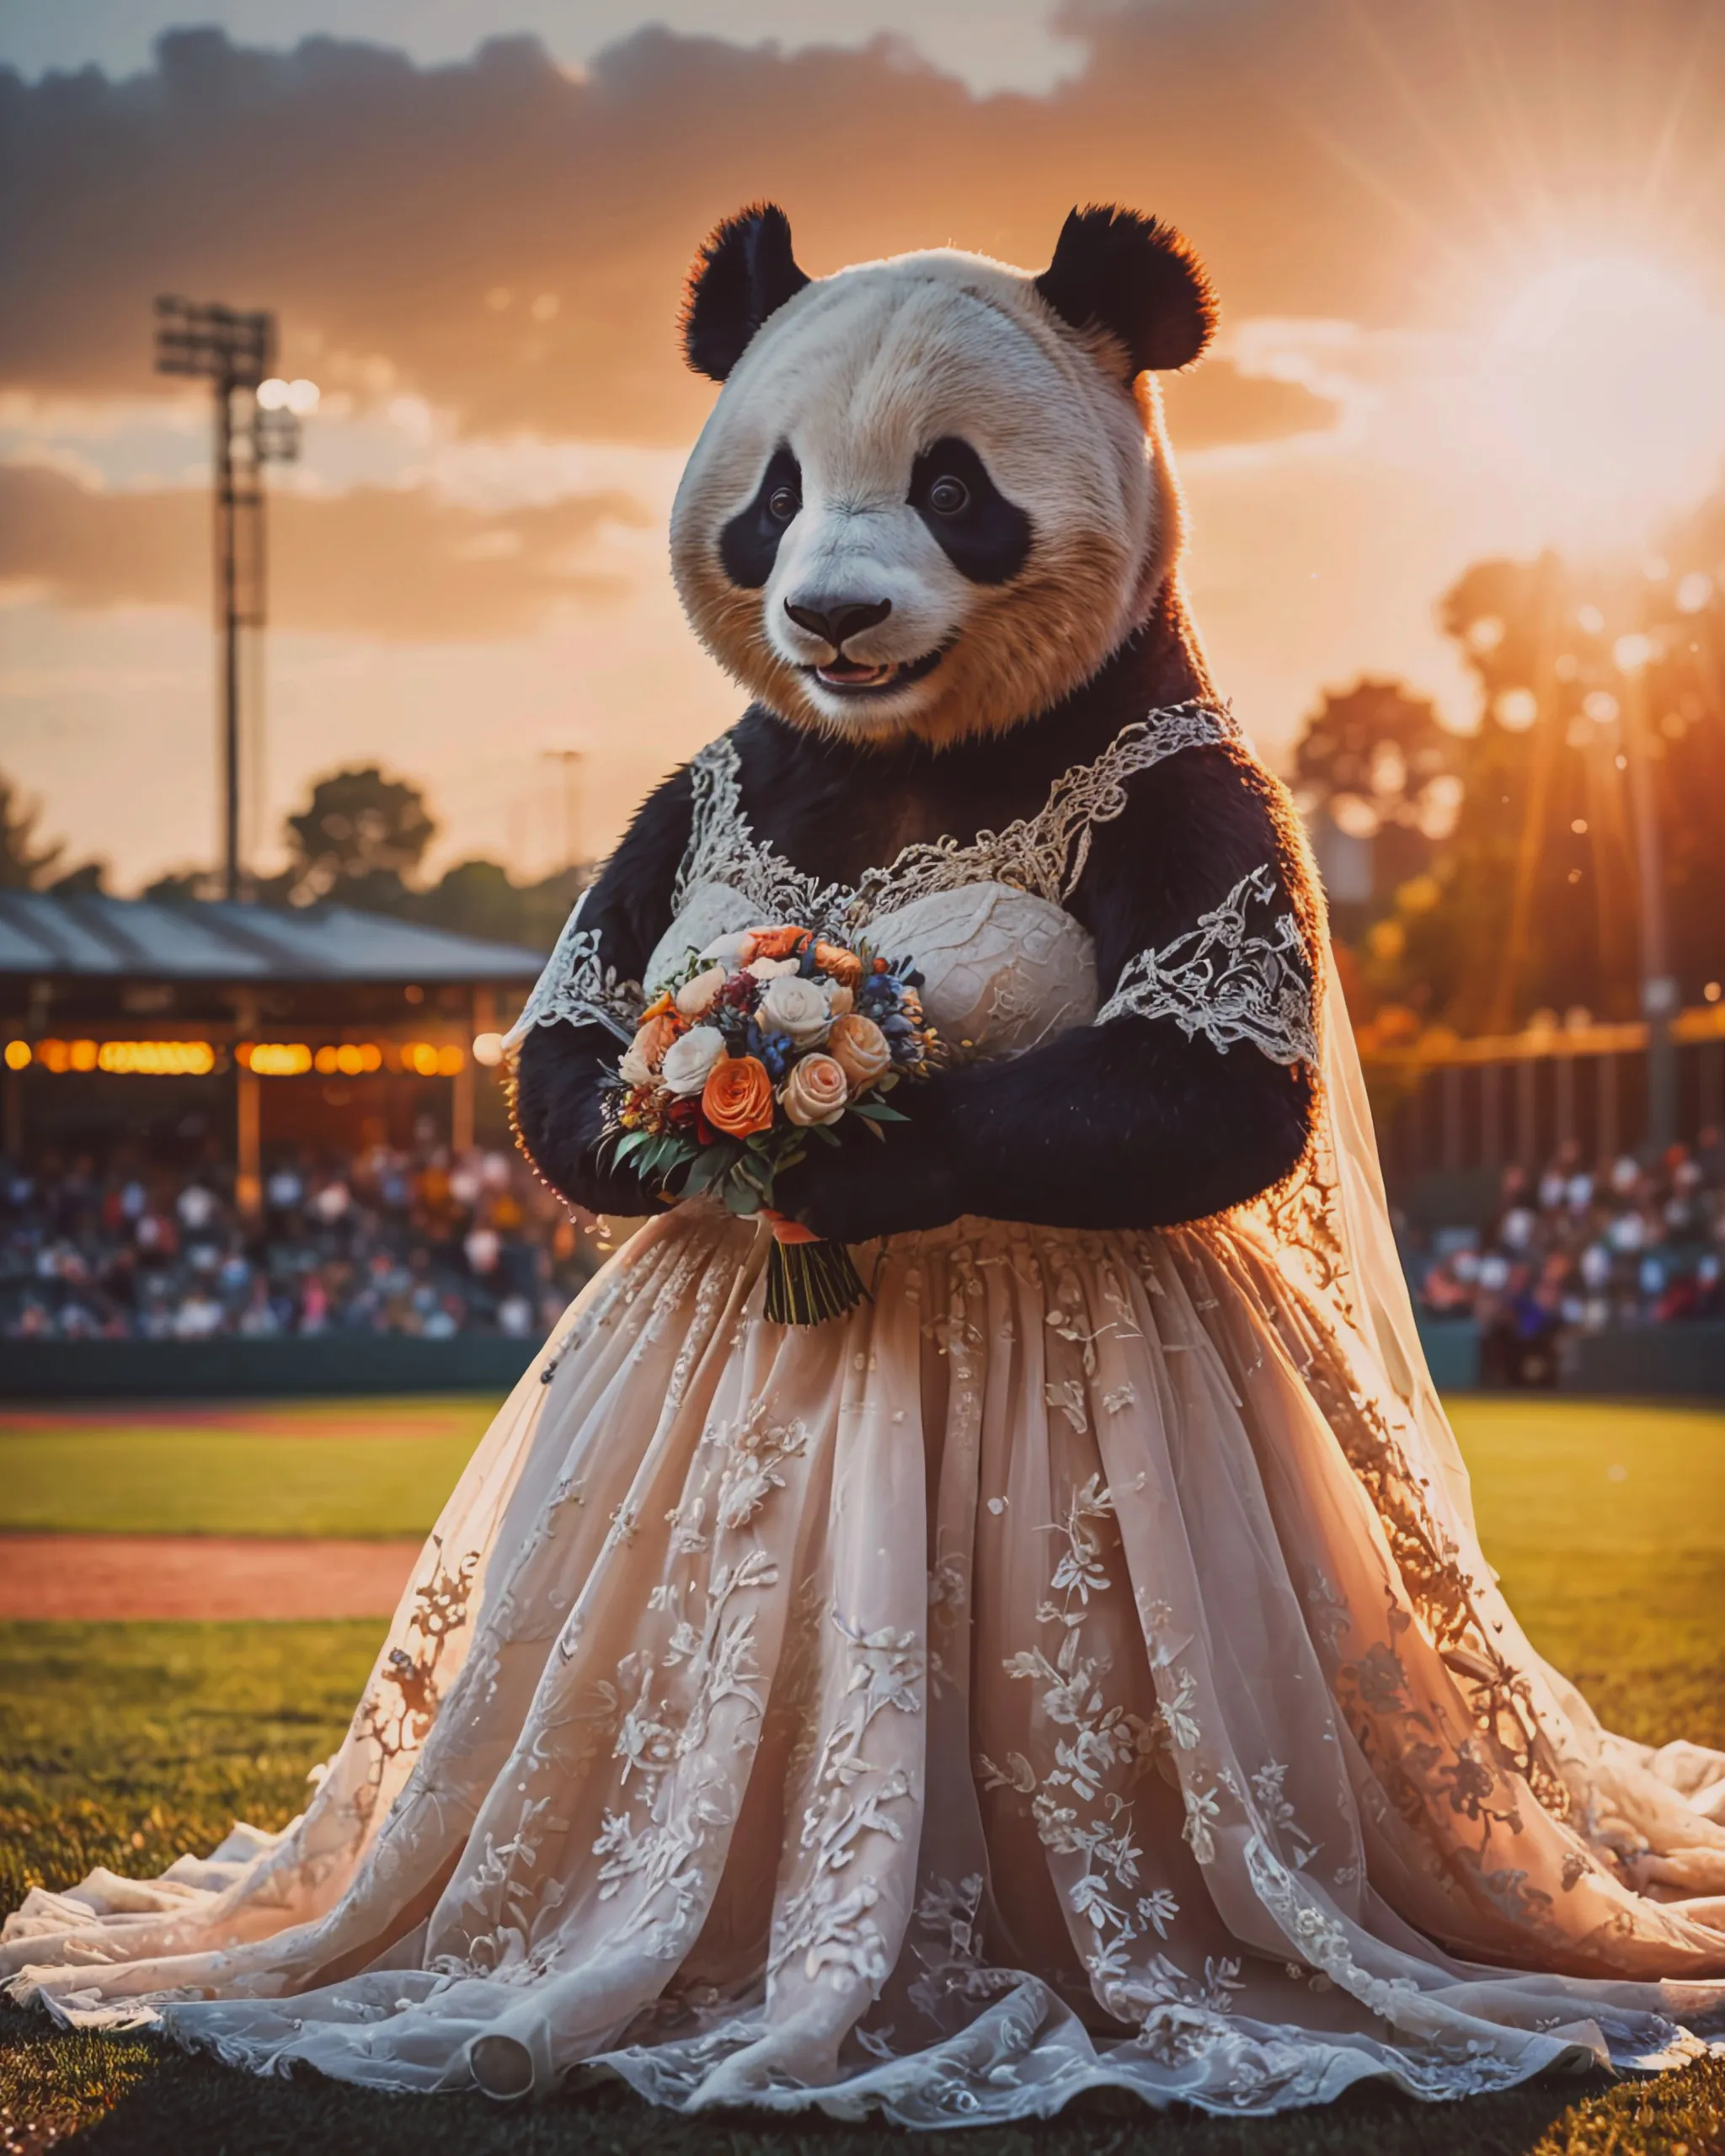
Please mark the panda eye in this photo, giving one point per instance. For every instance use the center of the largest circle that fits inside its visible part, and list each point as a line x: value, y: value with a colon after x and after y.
x: 948, y: 496
x: 783, y: 503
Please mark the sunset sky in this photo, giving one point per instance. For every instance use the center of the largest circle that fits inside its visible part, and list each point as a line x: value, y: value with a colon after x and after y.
x: 1470, y: 256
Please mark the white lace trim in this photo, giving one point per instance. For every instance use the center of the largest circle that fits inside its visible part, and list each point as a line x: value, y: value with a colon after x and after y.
x: 1044, y: 854
x: 579, y: 986
x: 1219, y: 980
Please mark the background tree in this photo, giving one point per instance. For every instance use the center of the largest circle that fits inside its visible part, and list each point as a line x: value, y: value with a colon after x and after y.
x: 1589, y: 677
x: 1374, y: 775
x: 358, y: 840
x: 27, y: 862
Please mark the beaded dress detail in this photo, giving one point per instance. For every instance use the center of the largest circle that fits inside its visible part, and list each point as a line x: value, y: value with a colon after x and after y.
x: 1075, y: 1668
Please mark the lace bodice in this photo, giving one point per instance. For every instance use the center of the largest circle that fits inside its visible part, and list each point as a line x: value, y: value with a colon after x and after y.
x: 1044, y: 855
x: 1005, y: 965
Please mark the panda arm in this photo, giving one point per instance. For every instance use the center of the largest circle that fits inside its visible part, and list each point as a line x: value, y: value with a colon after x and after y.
x: 590, y: 997
x: 1140, y: 1120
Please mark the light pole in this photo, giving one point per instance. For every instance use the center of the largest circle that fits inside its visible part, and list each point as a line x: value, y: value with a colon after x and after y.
x: 257, y: 423
x: 571, y: 760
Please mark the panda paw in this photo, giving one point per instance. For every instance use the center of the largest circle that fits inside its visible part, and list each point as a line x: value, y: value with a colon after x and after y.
x: 865, y: 1189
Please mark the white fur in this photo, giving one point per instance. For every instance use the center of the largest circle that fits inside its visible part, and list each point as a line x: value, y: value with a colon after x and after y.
x: 861, y: 372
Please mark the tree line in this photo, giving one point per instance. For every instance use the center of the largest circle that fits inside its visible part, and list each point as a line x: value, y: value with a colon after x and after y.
x: 360, y: 840
x: 1485, y: 879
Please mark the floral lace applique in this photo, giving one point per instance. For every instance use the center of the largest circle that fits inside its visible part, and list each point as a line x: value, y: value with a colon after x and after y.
x: 577, y: 985
x: 395, y: 1717
x: 826, y: 1925
x: 1044, y: 854
x: 1226, y: 983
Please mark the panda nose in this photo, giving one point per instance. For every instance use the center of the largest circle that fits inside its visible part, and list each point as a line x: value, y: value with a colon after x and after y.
x: 835, y: 619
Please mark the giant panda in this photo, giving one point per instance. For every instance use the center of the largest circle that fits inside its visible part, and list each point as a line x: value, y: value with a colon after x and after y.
x: 933, y: 527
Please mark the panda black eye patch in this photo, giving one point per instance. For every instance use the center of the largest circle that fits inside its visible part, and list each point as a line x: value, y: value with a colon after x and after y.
x: 748, y: 545
x: 983, y: 536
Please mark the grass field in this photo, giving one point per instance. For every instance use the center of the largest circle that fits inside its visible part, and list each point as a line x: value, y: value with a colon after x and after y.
x: 122, y: 1744
x: 363, y: 1468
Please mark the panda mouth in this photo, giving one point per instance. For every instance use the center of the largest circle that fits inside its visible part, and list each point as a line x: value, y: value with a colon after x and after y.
x: 853, y: 677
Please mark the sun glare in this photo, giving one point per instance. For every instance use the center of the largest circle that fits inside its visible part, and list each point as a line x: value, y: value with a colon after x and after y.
x: 1608, y: 375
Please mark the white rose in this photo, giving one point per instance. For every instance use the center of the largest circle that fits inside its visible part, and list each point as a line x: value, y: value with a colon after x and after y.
x: 726, y: 950
x: 798, y: 1007
x: 770, y: 968
x: 690, y: 1057
x: 698, y: 996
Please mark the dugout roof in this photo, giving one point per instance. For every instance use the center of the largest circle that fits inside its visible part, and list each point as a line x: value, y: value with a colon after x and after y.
x: 91, y: 937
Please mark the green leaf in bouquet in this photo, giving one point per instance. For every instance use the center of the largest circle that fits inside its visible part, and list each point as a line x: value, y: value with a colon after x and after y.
x: 758, y: 1178
x: 664, y: 1153
x: 740, y: 1197
x: 712, y: 1164
x: 877, y: 1111
x: 825, y: 1133
x: 632, y: 1141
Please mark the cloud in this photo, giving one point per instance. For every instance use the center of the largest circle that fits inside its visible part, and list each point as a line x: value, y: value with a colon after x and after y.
x: 507, y: 239
x: 399, y: 564
x: 1217, y: 406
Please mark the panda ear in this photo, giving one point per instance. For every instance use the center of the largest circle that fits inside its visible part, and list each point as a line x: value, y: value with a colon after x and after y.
x: 1136, y: 278
x: 744, y: 272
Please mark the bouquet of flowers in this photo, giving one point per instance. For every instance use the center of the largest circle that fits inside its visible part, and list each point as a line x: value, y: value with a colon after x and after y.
x: 766, y: 1042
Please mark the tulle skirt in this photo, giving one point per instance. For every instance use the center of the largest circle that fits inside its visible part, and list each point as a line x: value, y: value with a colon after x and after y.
x: 1060, y: 1672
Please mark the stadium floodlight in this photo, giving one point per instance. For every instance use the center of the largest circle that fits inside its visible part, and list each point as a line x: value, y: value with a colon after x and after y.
x: 258, y: 417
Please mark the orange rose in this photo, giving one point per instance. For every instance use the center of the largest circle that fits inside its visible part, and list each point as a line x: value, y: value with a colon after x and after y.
x: 737, y: 1097
x: 775, y: 944
x: 841, y: 965
x: 859, y: 1048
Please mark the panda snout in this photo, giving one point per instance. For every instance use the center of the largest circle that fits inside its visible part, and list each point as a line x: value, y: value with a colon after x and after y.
x: 835, y: 619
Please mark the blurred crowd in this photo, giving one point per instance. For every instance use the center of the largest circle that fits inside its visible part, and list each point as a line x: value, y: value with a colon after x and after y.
x: 412, y: 1241
x: 1580, y: 1249
x: 417, y: 1241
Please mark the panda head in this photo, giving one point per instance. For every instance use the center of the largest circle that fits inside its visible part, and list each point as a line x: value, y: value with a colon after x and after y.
x: 934, y: 495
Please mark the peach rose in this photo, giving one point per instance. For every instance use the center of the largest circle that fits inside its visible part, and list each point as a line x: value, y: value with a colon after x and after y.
x: 646, y: 1052
x: 840, y: 1002
x: 815, y: 1090
x: 859, y: 1048
x: 698, y: 996
x: 843, y: 965
x: 737, y: 1097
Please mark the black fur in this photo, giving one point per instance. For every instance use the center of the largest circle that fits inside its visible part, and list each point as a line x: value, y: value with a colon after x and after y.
x: 988, y: 539
x: 748, y: 545
x: 1138, y: 280
x: 1126, y: 1125
x: 744, y: 272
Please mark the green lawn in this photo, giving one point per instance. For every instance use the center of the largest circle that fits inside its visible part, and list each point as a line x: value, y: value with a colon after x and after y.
x: 121, y: 1744
x: 343, y: 1467
x: 1619, y: 1577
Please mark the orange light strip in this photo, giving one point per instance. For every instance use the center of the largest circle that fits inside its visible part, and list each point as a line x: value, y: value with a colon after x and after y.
x: 263, y: 1059
x: 122, y: 1058
x: 349, y: 1058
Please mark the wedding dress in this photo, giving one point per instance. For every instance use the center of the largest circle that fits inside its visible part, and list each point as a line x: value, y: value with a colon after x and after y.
x: 1075, y: 1668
